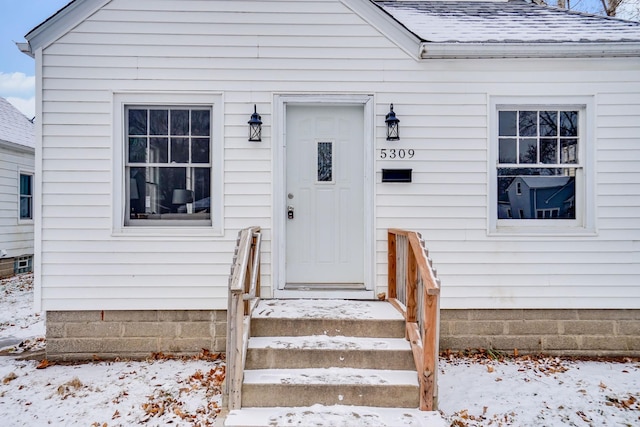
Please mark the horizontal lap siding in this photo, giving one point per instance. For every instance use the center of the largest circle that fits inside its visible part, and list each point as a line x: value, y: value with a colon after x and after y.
x: 320, y: 46
x: 194, y: 49
x: 447, y: 200
x: 15, y: 237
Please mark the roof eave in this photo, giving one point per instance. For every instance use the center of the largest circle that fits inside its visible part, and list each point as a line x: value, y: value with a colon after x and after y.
x: 25, y: 48
x: 60, y: 23
x: 16, y: 147
x: 481, y: 50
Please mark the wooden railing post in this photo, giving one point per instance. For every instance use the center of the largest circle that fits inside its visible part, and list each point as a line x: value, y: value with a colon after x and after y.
x: 420, y: 304
x: 244, y: 290
x: 412, y: 286
x: 391, y: 259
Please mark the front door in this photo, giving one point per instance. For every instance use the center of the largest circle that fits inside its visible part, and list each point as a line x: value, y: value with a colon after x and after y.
x: 325, y: 223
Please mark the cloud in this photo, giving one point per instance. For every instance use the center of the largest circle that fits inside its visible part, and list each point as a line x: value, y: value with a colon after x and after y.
x: 26, y: 106
x: 17, y: 84
x: 19, y: 89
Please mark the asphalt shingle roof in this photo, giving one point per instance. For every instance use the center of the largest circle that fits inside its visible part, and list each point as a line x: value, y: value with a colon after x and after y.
x: 515, y: 21
x: 14, y: 126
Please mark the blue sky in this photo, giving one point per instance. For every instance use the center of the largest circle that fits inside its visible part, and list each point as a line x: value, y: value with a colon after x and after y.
x: 17, y: 18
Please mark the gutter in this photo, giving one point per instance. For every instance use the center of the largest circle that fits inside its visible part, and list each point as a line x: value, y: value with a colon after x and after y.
x: 25, y: 48
x: 482, y: 50
x: 17, y: 147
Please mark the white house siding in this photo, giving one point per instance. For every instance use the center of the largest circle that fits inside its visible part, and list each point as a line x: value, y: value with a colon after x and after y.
x: 16, y: 236
x: 285, y: 47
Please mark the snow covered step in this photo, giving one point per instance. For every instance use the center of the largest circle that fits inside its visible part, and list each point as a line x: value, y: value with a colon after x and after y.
x: 337, y: 415
x: 322, y: 351
x: 330, y: 386
x: 326, y: 317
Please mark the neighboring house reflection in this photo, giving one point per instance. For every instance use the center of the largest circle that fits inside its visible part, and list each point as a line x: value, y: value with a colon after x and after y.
x: 539, y: 197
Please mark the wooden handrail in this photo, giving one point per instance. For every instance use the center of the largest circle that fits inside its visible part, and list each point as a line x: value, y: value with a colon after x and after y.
x: 415, y: 290
x: 244, y: 293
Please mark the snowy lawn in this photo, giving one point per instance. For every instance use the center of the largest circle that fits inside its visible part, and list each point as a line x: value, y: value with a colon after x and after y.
x: 478, y: 390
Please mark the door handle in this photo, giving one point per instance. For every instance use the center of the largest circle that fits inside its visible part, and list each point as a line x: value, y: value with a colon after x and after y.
x: 290, y: 212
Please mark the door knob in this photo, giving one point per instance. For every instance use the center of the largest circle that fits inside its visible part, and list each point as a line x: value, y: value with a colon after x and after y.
x: 290, y: 212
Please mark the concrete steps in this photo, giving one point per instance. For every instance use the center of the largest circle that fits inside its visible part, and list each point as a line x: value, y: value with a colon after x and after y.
x: 339, y: 415
x: 321, y: 351
x: 328, y: 352
x: 329, y: 362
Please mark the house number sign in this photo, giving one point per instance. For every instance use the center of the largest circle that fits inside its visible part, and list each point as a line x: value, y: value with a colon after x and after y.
x: 397, y: 153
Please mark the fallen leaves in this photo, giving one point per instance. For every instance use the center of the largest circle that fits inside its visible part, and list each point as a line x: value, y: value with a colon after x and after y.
x: 630, y: 402
x: 172, y: 401
x: 10, y: 377
x: 69, y: 388
x: 44, y: 363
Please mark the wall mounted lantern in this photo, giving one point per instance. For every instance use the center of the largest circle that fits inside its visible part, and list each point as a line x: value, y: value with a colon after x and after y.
x: 393, y: 126
x: 255, y: 126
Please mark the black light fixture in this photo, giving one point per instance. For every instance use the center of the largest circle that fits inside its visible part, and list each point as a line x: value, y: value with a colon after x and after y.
x: 393, y: 126
x: 255, y: 126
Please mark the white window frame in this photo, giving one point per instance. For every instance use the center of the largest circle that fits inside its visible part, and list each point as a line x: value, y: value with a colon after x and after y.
x: 584, y: 223
x: 32, y: 175
x: 213, y: 101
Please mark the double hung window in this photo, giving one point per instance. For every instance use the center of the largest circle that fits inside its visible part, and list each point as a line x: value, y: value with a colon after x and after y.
x: 168, y: 164
x: 540, y: 161
x: 26, y: 196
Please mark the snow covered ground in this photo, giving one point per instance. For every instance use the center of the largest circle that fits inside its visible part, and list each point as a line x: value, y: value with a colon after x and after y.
x: 474, y: 390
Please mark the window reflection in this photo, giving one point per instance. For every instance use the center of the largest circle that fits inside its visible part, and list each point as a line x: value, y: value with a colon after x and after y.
x: 168, y: 163
x: 535, y: 180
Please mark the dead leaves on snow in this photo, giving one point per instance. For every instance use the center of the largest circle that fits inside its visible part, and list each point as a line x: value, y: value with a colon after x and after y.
x: 464, y: 419
x: 631, y: 402
x: 10, y: 377
x: 165, y: 402
x: 69, y: 388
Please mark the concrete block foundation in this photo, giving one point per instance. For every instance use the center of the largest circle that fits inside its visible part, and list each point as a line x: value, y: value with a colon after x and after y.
x: 572, y: 332
x: 83, y: 335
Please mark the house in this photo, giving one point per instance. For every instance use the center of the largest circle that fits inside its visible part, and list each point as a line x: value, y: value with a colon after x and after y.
x: 17, y: 146
x: 167, y: 126
x: 538, y: 197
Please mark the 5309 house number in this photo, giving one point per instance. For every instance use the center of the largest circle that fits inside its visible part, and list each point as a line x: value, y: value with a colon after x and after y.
x: 397, y: 153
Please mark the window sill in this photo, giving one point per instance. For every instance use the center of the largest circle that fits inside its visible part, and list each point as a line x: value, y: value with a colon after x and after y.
x: 165, y: 231
x: 542, y: 232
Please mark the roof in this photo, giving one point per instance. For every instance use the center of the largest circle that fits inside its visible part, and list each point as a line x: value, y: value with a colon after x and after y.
x: 446, y: 29
x: 15, y: 127
x: 545, y: 181
x: 515, y: 21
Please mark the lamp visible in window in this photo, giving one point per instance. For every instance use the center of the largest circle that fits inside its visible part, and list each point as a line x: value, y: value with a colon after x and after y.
x: 255, y: 126
x: 393, y: 127
x: 183, y: 197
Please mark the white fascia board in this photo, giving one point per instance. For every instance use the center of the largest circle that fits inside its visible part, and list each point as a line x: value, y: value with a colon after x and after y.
x: 60, y: 23
x: 528, y: 50
x: 16, y: 147
x: 387, y: 25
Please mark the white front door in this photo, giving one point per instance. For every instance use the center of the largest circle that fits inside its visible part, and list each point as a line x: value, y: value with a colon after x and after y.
x: 325, y: 225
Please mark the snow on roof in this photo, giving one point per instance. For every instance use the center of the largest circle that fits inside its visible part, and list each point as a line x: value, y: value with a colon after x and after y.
x: 515, y: 21
x: 15, y: 127
x: 545, y: 181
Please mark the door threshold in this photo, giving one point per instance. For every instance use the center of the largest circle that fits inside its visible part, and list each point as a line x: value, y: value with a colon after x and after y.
x: 324, y: 293
x: 324, y: 287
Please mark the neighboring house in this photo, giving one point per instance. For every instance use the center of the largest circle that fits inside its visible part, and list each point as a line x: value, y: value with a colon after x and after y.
x: 539, y: 197
x: 17, y: 147
x: 148, y: 174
